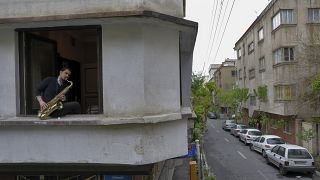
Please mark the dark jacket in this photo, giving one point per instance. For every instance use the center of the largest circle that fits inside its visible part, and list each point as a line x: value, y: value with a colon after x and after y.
x: 48, y: 89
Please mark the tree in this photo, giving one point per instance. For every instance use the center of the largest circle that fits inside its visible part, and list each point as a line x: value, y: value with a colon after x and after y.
x: 201, y: 93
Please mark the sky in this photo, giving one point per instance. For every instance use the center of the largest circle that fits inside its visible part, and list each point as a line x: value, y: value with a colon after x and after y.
x: 212, y: 23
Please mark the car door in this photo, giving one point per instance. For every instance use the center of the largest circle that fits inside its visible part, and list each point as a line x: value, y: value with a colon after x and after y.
x: 255, y: 143
x: 260, y: 144
x: 273, y: 153
x: 279, y: 158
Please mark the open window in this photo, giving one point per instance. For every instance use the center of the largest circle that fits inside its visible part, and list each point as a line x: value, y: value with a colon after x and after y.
x: 44, y: 51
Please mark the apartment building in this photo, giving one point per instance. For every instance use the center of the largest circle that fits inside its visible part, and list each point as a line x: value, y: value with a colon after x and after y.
x: 131, y: 67
x: 225, y: 78
x: 212, y: 69
x: 273, y: 52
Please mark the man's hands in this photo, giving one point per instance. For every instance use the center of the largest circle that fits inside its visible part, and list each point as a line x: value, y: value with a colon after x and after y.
x: 42, y: 104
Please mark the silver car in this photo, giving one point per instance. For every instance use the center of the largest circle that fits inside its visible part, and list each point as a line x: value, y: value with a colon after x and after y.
x: 265, y: 142
x: 236, y: 128
x: 289, y: 157
x: 248, y: 135
x: 227, y: 124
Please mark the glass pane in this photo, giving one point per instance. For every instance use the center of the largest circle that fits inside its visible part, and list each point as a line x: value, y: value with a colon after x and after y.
x: 298, y: 154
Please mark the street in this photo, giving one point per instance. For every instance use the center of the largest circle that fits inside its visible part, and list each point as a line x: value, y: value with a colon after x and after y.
x: 228, y: 158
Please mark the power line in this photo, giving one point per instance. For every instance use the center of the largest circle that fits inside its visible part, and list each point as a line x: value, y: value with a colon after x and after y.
x: 212, y: 19
x: 212, y: 42
x: 224, y: 29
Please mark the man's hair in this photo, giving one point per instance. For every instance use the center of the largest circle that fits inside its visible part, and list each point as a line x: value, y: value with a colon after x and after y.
x: 65, y: 68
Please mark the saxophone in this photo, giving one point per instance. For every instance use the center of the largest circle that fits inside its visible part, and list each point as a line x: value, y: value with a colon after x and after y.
x: 54, y: 103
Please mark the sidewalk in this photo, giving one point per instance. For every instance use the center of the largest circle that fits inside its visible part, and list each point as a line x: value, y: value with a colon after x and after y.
x: 182, y: 172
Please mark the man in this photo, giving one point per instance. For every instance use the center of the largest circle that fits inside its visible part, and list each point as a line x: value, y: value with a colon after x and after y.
x: 50, y: 87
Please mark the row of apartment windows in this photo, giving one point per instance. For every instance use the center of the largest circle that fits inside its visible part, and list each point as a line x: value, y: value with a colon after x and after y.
x: 284, y: 16
x: 282, y: 93
x: 280, y: 55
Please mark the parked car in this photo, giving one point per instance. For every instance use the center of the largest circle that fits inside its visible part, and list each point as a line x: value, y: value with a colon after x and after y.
x: 227, y: 124
x: 236, y: 128
x: 289, y: 157
x: 265, y: 142
x: 248, y: 135
x: 211, y: 115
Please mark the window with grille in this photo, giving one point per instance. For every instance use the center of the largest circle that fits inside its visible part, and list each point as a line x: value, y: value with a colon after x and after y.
x: 252, y: 73
x: 285, y: 92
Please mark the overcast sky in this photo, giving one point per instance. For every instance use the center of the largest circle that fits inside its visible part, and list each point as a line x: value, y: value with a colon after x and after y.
x: 243, y: 14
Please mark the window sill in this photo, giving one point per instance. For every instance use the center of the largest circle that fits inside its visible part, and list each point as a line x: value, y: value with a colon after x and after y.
x: 284, y: 63
x: 262, y: 70
x: 260, y: 41
x: 87, y: 120
x: 283, y: 26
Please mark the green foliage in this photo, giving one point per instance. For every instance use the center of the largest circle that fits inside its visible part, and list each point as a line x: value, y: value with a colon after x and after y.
x: 306, y: 135
x: 261, y: 93
x: 315, y: 84
x: 208, y: 175
x: 252, y: 122
x: 201, y: 102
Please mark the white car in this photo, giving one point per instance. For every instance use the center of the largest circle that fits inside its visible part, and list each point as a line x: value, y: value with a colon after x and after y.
x: 265, y: 142
x: 289, y: 157
x: 227, y: 124
x: 248, y: 135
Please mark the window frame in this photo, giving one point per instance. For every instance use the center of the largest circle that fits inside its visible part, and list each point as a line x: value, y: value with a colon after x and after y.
x: 252, y: 73
x: 284, y: 55
x: 260, y: 34
x: 286, y: 127
x: 250, y: 47
x: 313, y: 20
x: 262, y: 69
x: 282, y: 94
x: 283, y: 16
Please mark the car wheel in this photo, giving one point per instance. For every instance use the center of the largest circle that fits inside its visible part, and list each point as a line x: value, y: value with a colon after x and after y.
x: 268, y: 161
x: 240, y: 139
x: 251, y: 147
x: 282, y: 171
x: 264, y: 153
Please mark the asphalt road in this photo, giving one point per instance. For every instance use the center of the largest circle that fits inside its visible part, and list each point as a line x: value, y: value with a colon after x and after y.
x: 228, y: 158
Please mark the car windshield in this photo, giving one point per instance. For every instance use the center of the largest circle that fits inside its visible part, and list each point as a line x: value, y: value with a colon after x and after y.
x: 255, y: 133
x: 298, y: 154
x: 275, y: 141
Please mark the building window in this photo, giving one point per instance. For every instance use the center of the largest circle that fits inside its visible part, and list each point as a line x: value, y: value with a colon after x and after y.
x: 252, y: 100
x: 284, y: 92
x: 283, y: 55
x: 286, y: 127
x: 244, y: 72
x: 239, y: 53
x: 234, y: 73
x: 250, y: 47
x: 314, y: 15
x: 262, y: 64
x: 240, y: 74
x: 284, y: 16
x: 252, y: 73
x: 260, y: 34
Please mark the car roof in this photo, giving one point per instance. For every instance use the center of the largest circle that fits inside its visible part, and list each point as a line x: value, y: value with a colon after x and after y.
x: 291, y: 146
x: 270, y: 136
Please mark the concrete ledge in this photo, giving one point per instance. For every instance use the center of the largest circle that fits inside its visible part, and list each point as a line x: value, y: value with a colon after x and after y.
x: 87, y: 120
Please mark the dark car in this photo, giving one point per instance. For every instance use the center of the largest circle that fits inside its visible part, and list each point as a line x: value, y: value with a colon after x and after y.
x: 211, y: 115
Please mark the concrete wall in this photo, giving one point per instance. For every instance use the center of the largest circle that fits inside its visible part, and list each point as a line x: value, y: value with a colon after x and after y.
x: 8, y: 73
x: 140, y: 70
x: 38, y: 8
x: 123, y: 144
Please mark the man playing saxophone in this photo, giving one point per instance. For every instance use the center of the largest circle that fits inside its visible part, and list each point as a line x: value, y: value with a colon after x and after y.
x: 55, y: 87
